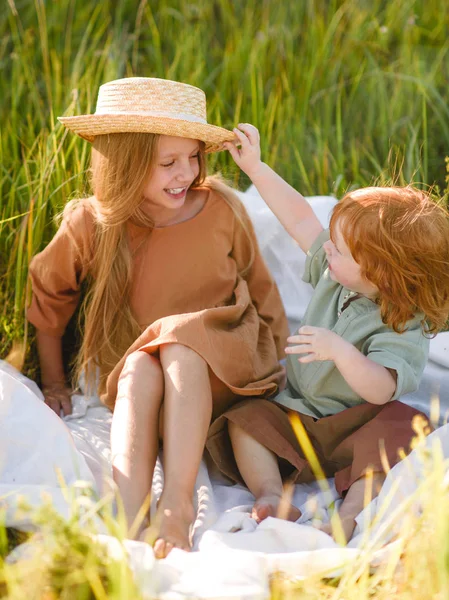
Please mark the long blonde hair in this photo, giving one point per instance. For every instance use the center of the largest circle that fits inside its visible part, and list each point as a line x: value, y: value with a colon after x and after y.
x: 121, y: 166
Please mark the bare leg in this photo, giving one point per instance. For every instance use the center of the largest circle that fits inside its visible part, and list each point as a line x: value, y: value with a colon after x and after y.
x: 260, y: 471
x: 187, y: 414
x: 353, y: 504
x: 134, y: 431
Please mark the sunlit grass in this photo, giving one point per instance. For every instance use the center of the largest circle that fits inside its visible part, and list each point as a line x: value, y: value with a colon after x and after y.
x: 415, y: 564
x: 343, y: 92
x: 64, y: 558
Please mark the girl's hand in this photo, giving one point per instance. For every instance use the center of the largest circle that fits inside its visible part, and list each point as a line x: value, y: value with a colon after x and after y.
x: 58, y: 397
x: 316, y: 343
x: 247, y: 156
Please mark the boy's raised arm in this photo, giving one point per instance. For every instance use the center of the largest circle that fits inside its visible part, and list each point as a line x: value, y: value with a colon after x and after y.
x: 289, y: 206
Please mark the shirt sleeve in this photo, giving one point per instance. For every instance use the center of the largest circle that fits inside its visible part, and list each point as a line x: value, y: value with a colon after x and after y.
x: 57, y: 272
x: 406, y: 353
x: 262, y: 287
x: 316, y: 260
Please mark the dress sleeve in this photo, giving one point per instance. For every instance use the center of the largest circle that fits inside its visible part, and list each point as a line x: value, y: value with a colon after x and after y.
x: 262, y: 287
x: 406, y: 353
x: 57, y: 272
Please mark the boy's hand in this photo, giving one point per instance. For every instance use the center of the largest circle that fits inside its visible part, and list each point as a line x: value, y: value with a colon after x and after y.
x: 316, y: 343
x: 58, y: 397
x: 247, y: 156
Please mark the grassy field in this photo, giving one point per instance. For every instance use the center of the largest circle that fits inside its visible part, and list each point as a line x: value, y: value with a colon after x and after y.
x: 344, y: 93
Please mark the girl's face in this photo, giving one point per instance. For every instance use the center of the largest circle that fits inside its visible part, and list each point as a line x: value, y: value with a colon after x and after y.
x: 175, y: 168
x: 344, y: 269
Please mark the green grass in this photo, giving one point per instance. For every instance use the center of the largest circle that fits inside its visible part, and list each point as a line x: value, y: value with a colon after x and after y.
x: 344, y: 93
x: 65, y: 558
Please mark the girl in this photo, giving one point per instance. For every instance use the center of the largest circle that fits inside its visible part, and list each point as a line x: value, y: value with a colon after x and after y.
x: 381, y: 279
x: 182, y: 316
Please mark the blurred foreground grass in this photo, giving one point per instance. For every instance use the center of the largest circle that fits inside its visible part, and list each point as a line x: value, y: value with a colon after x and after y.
x: 66, y: 559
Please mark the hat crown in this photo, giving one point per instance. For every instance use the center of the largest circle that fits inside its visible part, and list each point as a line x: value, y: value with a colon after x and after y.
x: 152, y: 96
x: 150, y: 105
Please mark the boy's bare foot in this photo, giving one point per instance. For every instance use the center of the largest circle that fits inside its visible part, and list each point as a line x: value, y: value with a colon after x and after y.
x: 353, y: 503
x: 347, y: 527
x: 172, y: 524
x: 274, y: 506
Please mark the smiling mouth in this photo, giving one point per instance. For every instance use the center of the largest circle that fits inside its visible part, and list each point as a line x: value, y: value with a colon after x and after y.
x: 176, y: 191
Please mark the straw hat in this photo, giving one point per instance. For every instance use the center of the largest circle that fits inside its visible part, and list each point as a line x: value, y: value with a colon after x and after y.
x: 150, y: 105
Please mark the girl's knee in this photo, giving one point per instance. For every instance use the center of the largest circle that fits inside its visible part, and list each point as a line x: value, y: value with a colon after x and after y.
x: 171, y: 352
x: 142, y: 369
x: 235, y: 431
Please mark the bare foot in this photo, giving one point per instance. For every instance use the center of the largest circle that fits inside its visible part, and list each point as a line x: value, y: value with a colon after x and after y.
x: 352, y: 505
x: 325, y: 528
x: 274, y: 506
x: 347, y: 528
x: 172, y: 524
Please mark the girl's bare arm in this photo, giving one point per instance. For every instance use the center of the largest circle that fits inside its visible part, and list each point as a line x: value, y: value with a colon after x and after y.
x: 54, y: 383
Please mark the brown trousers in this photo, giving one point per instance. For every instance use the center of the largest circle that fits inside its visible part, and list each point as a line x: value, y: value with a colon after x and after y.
x: 347, y: 444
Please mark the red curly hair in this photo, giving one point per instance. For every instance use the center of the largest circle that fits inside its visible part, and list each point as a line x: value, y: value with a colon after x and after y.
x: 400, y: 238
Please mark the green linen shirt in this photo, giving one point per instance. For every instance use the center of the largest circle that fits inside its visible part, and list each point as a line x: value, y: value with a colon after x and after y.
x: 318, y: 389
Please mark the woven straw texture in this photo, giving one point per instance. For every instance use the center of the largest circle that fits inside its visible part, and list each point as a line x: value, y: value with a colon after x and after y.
x: 150, y: 105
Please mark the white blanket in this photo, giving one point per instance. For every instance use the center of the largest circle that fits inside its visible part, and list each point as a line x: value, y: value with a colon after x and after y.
x: 232, y: 557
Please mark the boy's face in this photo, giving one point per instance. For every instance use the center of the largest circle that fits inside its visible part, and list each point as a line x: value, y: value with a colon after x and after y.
x: 343, y: 268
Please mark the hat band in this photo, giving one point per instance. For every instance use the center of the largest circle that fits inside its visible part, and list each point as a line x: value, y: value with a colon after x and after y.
x: 156, y: 113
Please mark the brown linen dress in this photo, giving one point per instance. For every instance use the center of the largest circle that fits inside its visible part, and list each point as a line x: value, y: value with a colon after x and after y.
x: 186, y: 289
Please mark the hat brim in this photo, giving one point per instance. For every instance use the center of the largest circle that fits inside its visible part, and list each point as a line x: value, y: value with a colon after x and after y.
x: 89, y: 126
